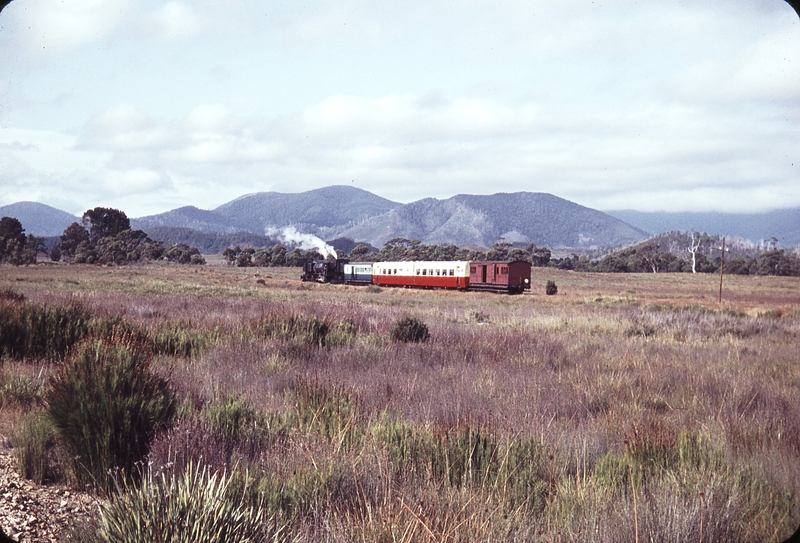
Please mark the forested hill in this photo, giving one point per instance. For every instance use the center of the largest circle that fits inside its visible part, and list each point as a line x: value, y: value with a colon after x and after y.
x: 328, y: 207
x: 519, y: 217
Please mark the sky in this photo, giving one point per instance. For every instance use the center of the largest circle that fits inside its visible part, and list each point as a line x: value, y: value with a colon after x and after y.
x: 146, y: 105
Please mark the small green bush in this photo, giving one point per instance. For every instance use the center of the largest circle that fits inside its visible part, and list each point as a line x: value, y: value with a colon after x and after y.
x: 32, y: 330
x: 297, y: 328
x: 117, y: 325
x: 11, y: 295
x: 550, y: 288
x: 106, y: 405
x: 409, y: 329
x: 175, y: 339
x: 466, y: 456
x: 19, y: 389
x: 341, y: 333
x: 334, y: 411
x: 233, y: 418
x: 33, y: 438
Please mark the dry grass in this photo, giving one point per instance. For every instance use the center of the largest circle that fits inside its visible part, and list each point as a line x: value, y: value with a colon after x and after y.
x: 655, y: 409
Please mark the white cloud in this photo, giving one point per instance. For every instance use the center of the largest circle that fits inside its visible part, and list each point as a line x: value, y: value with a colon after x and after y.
x: 46, y: 27
x: 175, y: 21
x: 134, y: 181
x: 124, y: 127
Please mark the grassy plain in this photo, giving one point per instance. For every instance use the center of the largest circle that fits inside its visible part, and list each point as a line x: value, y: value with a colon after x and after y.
x: 626, y: 408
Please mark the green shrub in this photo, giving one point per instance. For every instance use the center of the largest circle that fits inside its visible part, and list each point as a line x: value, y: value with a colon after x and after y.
x: 290, y: 494
x: 334, y: 411
x: 195, y: 505
x: 11, y: 295
x: 176, y: 339
x: 19, y: 389
x: 409, y: 329
x: 550, y: 288
x: 106, y: 405
x: 341, y: 333
x: 466, y: 456
x: 117, y: 325
x: 234, y: 418
x: 31, y: 330
x: 33, y: 438
x: 298, y: 328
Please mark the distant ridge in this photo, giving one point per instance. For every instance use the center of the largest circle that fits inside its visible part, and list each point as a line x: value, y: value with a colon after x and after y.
x: 783, y: 224
x: 39, y: 219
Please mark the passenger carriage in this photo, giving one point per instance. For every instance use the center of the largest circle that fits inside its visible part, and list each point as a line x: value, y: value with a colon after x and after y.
x: 434, y: 274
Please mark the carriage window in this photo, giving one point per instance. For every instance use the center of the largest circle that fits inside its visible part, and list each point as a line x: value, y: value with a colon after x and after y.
x: 395, y: 272
x: 504, y: 270
x: 451, y: 273
x: 472, y: 269
x: 438, y: 272
x: 424, y: 272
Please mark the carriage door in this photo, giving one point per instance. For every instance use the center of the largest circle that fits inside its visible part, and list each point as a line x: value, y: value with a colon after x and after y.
x: 483, y: 273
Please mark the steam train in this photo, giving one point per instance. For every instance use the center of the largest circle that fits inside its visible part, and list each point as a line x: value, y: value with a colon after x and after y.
x: 511, y: 277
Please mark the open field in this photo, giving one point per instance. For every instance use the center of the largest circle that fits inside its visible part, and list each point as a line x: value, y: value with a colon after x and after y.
x: 628, y: 407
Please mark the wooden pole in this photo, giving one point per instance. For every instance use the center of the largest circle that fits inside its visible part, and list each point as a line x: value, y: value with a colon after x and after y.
x: 721, y: 266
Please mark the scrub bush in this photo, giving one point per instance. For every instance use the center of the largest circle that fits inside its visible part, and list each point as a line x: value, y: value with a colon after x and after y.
x: 32, y: 439
x: 31, y: 330
x: 106, y: 405
x: 298, y: 328
x: 550, y: 288
x: 409, y: 329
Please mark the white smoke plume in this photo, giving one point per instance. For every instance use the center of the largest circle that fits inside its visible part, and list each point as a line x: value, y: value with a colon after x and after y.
x: 290, y: 235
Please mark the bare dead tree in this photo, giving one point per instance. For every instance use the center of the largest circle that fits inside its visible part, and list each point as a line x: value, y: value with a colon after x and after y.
x: 693, y: 248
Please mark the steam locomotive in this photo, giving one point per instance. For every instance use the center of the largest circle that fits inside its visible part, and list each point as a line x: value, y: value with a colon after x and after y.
x: 511, y: 277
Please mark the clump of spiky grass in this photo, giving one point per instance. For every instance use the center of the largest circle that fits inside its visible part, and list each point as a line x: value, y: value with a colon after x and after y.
x: 195, y: 505
x: 106, y: 406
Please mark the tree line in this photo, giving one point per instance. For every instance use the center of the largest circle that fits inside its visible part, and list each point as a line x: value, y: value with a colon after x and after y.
x: 104, y: 236
x: 650, y: 258
x: 397, y: 249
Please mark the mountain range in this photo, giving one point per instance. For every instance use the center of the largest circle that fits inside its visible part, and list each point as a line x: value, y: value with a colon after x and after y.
x: 345, y: 212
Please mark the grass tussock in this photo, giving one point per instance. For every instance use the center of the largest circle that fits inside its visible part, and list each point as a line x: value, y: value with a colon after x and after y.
x: 195, y: 505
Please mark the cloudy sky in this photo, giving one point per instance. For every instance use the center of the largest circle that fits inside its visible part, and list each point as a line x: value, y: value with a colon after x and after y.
x: 150, y: 105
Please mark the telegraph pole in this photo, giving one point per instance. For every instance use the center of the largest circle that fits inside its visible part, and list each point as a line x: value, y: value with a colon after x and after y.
x: 721, y: 266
